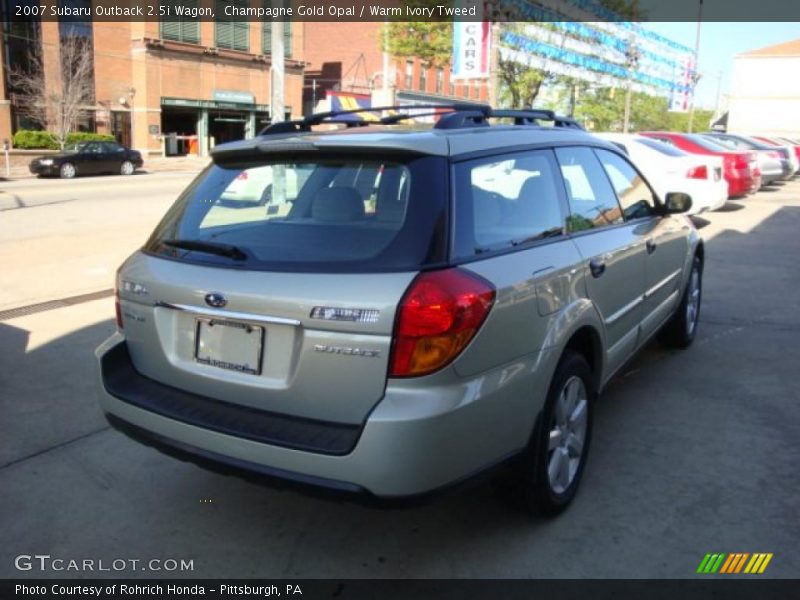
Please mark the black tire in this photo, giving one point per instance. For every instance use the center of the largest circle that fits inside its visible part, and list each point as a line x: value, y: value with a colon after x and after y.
x: 528, y: 484
x: 679, y: 331
x: 67, y: 171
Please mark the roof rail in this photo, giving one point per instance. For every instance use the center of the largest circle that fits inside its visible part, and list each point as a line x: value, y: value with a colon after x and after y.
x: 456, y: 115
x: 335, y: 116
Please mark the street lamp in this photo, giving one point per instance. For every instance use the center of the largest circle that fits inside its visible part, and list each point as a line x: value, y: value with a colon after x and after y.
x: 632, y: 57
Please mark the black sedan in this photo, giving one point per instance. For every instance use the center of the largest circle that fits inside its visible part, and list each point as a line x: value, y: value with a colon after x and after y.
x: 88, y: 158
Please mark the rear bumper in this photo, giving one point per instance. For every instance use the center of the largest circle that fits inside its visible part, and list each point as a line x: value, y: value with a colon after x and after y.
x: 415, y: 442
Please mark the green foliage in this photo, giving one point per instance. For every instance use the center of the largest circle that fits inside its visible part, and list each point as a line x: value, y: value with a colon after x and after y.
x: 44, y: 140
x: 431, y: 41
x: 603, y: 109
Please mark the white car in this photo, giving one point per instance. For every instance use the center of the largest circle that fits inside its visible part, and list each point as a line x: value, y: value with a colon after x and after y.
x: 670, y: 169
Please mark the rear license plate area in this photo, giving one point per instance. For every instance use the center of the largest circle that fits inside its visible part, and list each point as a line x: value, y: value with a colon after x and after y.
x: 230, y: 345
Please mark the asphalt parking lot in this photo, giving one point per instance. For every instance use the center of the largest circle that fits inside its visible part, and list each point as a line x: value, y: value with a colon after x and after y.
x: 693, y: 452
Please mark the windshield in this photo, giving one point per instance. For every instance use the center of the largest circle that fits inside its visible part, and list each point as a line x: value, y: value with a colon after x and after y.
x: 332, y: 214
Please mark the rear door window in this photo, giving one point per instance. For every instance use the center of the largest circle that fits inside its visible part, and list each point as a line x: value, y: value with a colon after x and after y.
x: 592, y: 201
x: 506, y: 201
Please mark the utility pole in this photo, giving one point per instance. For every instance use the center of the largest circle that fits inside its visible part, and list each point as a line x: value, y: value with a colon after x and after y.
x: 277, y: 103
x: 632, y: 56
x: 277, y: 87
x: 696, y: 74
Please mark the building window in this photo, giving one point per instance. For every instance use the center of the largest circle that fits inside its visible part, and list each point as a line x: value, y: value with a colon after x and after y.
x: 22, y: 40
x: 409, y: 74
x: 234, y: 35
x: 452, y: 88
x: 76, y: 44
x: 181, y: 29
x: 266, y: 34
x: 423, y: 78
x: 439, y: 81
x: 476, y: 91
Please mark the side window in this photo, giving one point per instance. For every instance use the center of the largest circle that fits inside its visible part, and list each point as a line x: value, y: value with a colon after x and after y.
x: 93, y: 148
x: 111, y: 147
x: 633, y: 193
x: 506, y: 201
x: 592, y: 201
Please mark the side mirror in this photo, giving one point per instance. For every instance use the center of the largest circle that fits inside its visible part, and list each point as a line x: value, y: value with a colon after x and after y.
x: 677, y: 203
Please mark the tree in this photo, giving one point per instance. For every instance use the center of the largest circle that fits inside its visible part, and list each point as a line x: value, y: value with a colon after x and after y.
x: 601, y: 109
x: 57, y: 92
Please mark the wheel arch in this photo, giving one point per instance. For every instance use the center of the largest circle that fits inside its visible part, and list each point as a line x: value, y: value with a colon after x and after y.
x: 586, y: 341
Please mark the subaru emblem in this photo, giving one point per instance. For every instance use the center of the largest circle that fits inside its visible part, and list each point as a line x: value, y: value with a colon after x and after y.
x: 216, y: 300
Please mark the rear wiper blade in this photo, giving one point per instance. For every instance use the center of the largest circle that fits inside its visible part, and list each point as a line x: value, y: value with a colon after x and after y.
x: 228, y: 250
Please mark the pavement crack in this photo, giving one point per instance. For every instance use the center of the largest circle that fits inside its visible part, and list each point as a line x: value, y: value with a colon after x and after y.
x: 17, y: 461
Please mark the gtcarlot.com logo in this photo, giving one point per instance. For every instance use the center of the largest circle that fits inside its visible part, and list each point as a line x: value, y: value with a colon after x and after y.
x: 45, y: 562
x: 735, y: 562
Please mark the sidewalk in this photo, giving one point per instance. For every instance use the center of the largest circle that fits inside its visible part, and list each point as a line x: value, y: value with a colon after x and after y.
x: 151, y: 165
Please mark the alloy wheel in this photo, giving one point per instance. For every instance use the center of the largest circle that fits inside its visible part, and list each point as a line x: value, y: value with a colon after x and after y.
x: 565, y: 446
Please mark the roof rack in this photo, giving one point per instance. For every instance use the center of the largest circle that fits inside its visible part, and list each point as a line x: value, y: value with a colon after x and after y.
x: 453, y: 116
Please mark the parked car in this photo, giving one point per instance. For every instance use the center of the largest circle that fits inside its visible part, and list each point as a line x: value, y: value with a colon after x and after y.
x: 740, y: 169
x: 789, y: 150
x: 774, y: 165
x: 465, y: 320
x: 669, y: 168
x: 794, y: 143
x: 88, y: 158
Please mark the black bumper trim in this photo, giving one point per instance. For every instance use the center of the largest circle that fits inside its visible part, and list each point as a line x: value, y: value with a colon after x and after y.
x: 122, y: 381
x: 228, y: 465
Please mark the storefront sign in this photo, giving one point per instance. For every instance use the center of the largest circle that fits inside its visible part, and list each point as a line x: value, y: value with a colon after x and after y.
x: 470, y: 45
x: 233, y: 96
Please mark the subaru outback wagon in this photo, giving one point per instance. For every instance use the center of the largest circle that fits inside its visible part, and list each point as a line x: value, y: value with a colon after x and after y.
x: 406, y: 308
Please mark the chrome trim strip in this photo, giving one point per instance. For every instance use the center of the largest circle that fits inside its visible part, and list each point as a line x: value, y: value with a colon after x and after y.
x: 228, y: 314
x: 611, y: 319
x: 659, y: 310
x: 652, y: 291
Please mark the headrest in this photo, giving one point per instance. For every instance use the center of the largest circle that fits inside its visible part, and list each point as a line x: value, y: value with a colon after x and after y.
x: 337, y: 205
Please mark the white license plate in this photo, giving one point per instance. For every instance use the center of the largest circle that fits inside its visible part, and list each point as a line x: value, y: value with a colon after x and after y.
x: 229, y: 345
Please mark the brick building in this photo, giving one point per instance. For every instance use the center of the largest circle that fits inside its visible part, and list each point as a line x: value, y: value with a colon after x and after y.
x: 347, y: 57
x: 166, y: 86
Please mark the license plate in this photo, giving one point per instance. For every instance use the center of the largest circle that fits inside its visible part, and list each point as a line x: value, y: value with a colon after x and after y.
x: 229, y: 345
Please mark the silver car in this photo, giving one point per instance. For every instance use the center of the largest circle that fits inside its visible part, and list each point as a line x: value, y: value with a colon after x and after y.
x: 410, y: 308
x: 773, y: 164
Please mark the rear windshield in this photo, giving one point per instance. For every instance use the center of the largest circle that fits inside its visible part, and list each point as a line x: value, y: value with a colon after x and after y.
x: 311, y: 214
x: 709, y: 143
x: 661, y: 147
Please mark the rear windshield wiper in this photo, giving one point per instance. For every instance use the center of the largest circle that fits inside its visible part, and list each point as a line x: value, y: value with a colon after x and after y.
x: 228, y: 250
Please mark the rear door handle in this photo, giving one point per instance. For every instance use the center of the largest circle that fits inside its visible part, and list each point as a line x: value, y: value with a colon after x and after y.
x: 597, y: 267
x: 651, y: 246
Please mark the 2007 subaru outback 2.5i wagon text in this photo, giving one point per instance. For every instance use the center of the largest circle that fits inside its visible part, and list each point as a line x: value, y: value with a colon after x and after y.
x: 404, y: 309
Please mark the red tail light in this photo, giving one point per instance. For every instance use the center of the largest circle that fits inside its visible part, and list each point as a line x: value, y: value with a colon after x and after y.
x: 438, y: 316
x: 741, y: 161
x: 700, y: 172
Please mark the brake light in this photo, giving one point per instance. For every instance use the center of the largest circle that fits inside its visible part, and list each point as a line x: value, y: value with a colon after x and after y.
x: 438, y: 316
x: 700, y: 172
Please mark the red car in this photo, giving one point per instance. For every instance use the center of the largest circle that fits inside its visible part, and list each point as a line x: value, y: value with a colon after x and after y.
x: 740, y: 169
